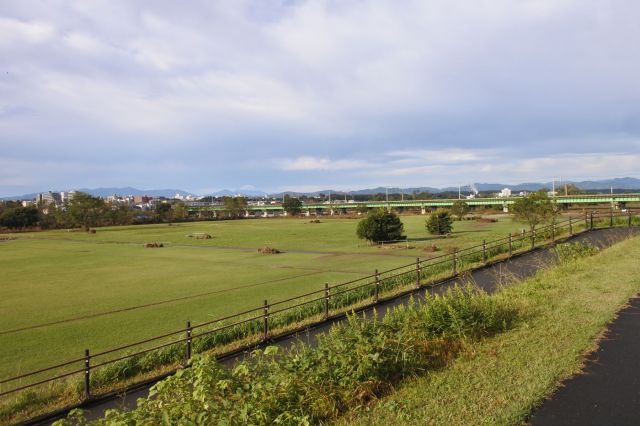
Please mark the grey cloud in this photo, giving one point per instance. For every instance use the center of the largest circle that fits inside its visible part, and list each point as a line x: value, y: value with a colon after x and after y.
x: 229, y: 81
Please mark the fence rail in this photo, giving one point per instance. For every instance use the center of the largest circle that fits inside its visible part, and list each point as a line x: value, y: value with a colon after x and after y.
x: 293, y: 314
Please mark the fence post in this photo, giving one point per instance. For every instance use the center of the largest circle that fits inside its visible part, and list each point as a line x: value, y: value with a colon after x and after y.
x: 523, y: 233
x: 326, y: 301
x: 553, y: 233
x: 570, y: 227
x: 591, y: 220
x: 533, y: 239
x: 629, y: 217
x: 611, y: 218
x: 510, y: 245
x: 455, y: 267
x: 265, y: 321
x: 418, y: 272
x: 187, y: 354
x: 484, y: 251
x: 586, y: 221
x: 87, y: 374
x: 377, y: 289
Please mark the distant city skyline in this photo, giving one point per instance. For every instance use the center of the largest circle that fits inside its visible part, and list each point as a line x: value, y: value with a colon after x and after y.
x: 310, y: 94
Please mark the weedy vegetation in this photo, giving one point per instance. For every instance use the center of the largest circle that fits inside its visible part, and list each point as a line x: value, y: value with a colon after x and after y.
x: 352, y: 366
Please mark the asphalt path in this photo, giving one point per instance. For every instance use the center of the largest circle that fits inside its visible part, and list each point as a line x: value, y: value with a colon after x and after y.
x: 488, y: 278
x: 607, y: 392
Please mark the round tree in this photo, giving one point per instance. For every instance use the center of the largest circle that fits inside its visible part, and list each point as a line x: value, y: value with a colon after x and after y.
x: 534, y: 209
x: 439, y: 222
x: 381, y: 226
x: 292, y: 206
x: 460, y: 208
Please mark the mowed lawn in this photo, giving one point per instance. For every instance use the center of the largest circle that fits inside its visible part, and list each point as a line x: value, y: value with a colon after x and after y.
x: 62, y: 292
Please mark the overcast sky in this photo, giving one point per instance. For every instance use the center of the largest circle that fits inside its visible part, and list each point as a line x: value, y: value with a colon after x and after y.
x: 304, y: 95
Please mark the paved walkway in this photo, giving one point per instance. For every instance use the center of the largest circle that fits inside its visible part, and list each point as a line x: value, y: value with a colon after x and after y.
x: 608, y: 390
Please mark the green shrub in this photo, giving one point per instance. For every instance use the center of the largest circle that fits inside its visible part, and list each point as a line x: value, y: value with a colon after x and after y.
x: 354, y: 363
x: 439, y: 222
x: 381, y: 226
x: 569, y: 252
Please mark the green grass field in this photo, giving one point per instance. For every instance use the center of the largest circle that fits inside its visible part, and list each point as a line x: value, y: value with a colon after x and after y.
x: 62, y: 291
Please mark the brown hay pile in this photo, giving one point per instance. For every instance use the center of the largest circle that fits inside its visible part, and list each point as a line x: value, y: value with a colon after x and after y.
x: 200, y: 236
x: 268, y: 250
x: 486, y: 220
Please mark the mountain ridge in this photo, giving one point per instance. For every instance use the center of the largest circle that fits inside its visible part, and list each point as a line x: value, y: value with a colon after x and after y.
x: 625, y: 183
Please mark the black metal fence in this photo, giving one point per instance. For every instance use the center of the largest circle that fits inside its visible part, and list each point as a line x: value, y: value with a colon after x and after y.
x: 98, y: 373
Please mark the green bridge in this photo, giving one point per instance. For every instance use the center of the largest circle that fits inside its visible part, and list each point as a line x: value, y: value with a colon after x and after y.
x: 609, y: 199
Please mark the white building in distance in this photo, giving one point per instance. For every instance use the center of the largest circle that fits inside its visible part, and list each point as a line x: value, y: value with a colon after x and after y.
x: 505, y: 193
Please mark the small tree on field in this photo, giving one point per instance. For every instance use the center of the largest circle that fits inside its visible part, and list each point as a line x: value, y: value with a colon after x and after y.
x: 162, y: 212
x: 292, y: 206
x: 534, y: 209
x: 179, y: 211
x: 235, y: 206
x: 86, y: 210
x: 439, y: 222
x: 460, y: 208
x: 381, y: 226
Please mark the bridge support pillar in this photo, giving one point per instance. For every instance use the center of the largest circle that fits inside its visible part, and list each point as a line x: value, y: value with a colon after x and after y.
x: 332, y: 212
x: 307, y: 213
x: 284, y: 212
x: 246, y: 213
x: 423, y: 210
x: 264, y: 213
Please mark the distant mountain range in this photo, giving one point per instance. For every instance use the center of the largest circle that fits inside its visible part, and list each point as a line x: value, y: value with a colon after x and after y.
x: 232, y: 192
x: 626, y: 183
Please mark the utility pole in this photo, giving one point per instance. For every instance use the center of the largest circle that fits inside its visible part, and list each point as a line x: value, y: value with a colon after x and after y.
x: 553, y: 186
x: 329, y: 196
x: 402, y: 194
x: 565, y: 186
x: 386, y: 190
x: 459, y: 192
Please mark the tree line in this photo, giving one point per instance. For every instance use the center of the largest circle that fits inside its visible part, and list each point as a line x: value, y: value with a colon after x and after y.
x: 85, y: 211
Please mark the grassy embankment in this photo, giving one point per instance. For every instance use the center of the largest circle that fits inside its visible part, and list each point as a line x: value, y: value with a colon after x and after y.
x: 501, y: 379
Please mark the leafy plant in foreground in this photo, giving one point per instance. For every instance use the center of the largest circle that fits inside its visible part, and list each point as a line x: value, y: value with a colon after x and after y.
x: 352, y: 365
